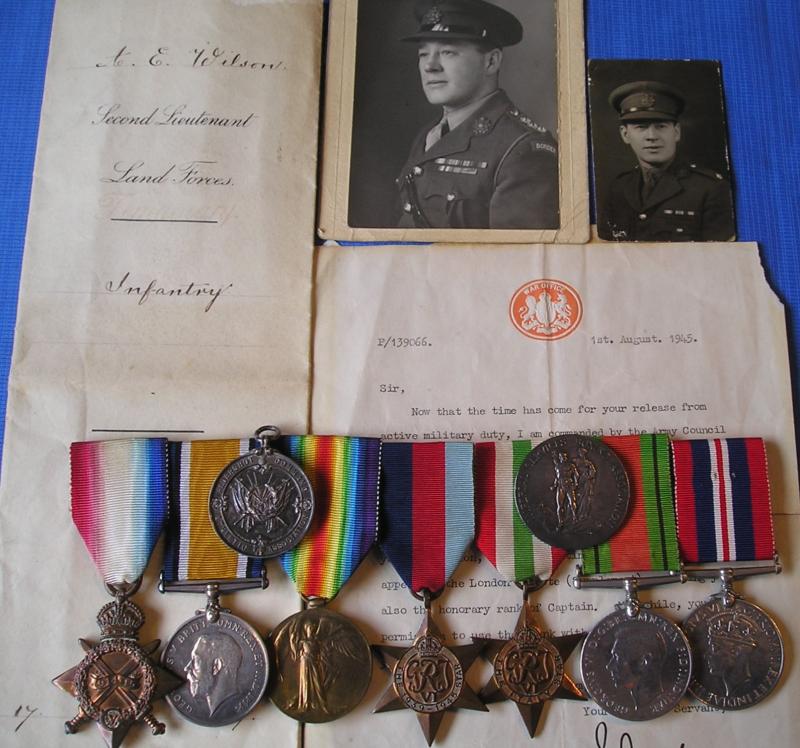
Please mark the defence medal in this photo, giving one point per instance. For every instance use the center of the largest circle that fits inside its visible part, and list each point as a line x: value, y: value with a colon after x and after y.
x: 572, y: 491
x: 725, y: 525
x: 323, y: 661
x: 635, y: 663
x: 261, y: 503
x: 221, y: 660
x: 529, y: 668
x: 427, y: 521
x: 119, y: 504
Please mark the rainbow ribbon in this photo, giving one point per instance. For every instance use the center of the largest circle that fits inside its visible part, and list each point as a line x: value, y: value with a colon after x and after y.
x: 427, y: 510
x: 344, y: 473
x: 723, y: 500
x: 193, y: 551
x: 119, y: 503
x: 501, y: 535
x: 647, y: 540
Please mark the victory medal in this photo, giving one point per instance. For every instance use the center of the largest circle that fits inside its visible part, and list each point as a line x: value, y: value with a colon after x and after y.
x: 119, y: 503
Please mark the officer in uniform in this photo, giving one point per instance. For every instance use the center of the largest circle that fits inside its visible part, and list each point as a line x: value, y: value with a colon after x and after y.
x: 482, y: 163
x: 663, y: 198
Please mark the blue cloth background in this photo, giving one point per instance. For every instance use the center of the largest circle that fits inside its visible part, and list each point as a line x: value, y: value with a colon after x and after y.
x: 756, y: 40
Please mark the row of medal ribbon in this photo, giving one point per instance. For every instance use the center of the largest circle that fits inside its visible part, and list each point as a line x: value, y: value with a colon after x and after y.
x: 320, y: 503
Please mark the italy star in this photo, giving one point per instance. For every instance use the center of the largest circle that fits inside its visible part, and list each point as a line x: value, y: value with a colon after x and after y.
x: 529, y: 669
x: 429, y: 678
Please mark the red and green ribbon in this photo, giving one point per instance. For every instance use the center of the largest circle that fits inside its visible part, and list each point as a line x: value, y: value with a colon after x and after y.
x: 647, y: 541
x: 500, y: 534
x: 344, y: 473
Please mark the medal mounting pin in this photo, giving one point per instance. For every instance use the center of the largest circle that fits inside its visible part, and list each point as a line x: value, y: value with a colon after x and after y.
x: 727, y: 574
x: 631, y: 584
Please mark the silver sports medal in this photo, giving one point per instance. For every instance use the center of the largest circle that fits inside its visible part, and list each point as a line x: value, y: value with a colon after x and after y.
x: 261, y: 503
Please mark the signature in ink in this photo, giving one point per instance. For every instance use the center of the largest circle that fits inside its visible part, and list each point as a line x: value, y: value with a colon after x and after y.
x: 625, y: 740
x: 30, y: 712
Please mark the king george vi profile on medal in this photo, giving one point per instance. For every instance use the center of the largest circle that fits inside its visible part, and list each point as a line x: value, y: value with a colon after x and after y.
x: 482, y: 163
x: 664, y: 197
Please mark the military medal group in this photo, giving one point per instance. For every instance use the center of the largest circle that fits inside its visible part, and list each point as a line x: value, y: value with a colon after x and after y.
x: 320, y: 503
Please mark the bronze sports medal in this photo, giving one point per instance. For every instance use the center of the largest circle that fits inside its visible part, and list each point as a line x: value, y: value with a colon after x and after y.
x: 572, y: 491
x: 427, y: 522
x: 528, y: 668
x: 323, y: 661
x: 221, y: 660
x: 261, y: 503
x: 119, y: 503
x: 635, y: 663
x: 725, y: 520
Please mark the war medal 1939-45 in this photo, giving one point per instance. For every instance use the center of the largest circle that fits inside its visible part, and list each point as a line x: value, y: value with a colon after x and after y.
x: 572, y: 491
x: 261, y: 503
x: 222, y: 660
x: 725, y: 532
x: 529, y: 668
x: 119, y: 504
x: 635, y: 663
x: 323, y: 662
x: 427, y: 522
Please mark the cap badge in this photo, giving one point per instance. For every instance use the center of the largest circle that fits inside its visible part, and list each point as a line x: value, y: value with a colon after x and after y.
x: 648, y: 100
x: 432, y: 17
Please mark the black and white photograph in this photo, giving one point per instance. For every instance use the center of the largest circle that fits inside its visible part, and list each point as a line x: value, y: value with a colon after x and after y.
x: 660, y: 151
x: 458, y: 127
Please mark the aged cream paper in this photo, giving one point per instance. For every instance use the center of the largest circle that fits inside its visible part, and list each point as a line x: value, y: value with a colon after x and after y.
x: 166, y: 290
x: 338, y: 134
x: 419, y: 343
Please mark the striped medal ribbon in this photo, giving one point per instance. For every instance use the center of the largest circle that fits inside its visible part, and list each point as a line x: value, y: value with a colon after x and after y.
x: 193, y: 552
x: 119, y: 503
x: 723, y: 500
x: 344, y: 472
x: 427, y: 510
x: 501, y: 535
x: 647, y: 541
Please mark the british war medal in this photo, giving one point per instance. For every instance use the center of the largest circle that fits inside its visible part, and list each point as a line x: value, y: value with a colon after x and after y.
x: 529, y: 668
x: 725, y: 527
x: 221, y: 659
x: 427, y: 522
x: 119, y: 504
x: 323, y: 661
x: 635, y: 663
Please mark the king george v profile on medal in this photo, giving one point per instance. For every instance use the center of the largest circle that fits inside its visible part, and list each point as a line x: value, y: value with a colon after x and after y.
x: 664, y: 197
x: 482, y: 163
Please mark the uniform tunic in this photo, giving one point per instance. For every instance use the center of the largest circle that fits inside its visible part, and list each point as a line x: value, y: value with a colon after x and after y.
x: 688, y: 203
x: 498, y: 169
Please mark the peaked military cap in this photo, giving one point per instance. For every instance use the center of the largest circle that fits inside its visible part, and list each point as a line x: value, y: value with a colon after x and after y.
x: 647, y: 100
x: 472, y: 20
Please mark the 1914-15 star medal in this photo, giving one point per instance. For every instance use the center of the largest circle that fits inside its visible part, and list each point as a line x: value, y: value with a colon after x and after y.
x: 116, y: 683
x: 529, y: 669
x: 429, y: 678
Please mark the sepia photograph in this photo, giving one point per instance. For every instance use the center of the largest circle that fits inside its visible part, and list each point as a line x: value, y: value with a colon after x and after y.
x: 447, y: 120
x: 660, y: 151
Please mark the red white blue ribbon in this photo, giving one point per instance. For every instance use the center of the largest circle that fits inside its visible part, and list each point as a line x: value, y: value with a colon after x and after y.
x: 723, y: 500
x: 119, y: 502
x: 427, y: 515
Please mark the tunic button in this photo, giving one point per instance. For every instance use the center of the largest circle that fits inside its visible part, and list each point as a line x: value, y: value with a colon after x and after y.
x: 417, y: 171
x: 407, y: 207
x: 450, y: 197
x: 642, y: 216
